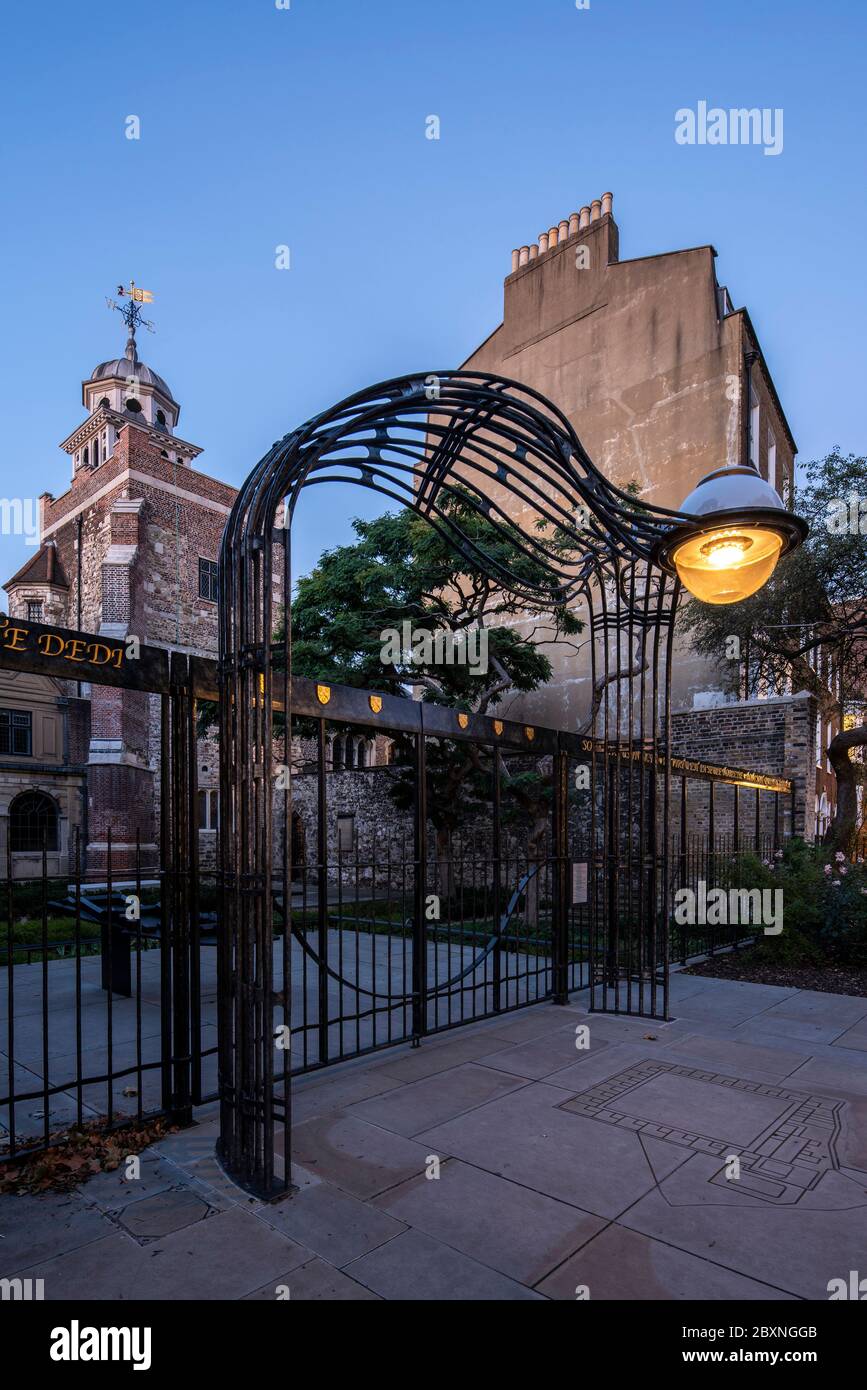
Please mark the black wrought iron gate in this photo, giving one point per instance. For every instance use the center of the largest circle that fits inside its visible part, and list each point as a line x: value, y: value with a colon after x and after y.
x: 445, y: 444
x: 300, y: 964
x: 108, y: 982
x: 109, y: 1018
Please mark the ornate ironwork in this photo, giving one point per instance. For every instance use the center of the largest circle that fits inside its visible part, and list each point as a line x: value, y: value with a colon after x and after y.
x: 442, y: 443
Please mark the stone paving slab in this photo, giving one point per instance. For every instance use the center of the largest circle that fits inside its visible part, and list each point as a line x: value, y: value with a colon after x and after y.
x: 322, y: 1094
x: 414, y: 1064
x: 422, y: 1104
x: 795, y: 1251
x: 223, y: 1257
x: 336, y: 1226
x: 515, y: 1230
x: 543, y: 1056
x: 621, y: 1264
x: 743, y: 1056
x: 812, y: 1005
x: 526, y: 1137
x: 316, y: 1281
x: 114, y: 1191
x: 37, y: 1228
x: 361, y: 1158
x: 798, y: 1030
x: 613, y: 1170
x: 415, y: 1266
x: 854, y: 1037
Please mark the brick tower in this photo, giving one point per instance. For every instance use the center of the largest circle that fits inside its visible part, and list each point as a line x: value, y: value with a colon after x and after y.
x: 135, y: 540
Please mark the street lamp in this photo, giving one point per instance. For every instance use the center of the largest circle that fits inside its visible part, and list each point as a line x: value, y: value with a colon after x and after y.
x: 739, y: 530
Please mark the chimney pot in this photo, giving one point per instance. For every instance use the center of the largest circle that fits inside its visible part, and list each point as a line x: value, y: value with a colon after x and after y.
x: 607, y: 204
x: 584, y: 218
x: 524, y: 255
x: 595, y: 210
x: 552, y: 238
x: 563, y: 230
x: 534, y: 251
x: 515, y: 255
x: 573, y: 223
x: 543, y: 243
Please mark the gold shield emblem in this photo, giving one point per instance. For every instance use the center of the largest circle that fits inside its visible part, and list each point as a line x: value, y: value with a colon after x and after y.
x: 530, y: 732
x: 498, y: 726
x: 375, y: 702
x: 463, y: 720
x: 323, y: 694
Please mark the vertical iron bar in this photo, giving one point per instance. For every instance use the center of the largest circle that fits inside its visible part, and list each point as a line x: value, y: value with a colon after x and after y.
x: 682, y: 863
x: 497, y: 851
x: 166, y: 861
x: 560, y: 913
x: 322, y: 895
x: 419, y: 932
x: 180, y: 816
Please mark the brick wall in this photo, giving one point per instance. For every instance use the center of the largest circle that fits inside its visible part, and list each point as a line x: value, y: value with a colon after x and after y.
x: 775, y: 736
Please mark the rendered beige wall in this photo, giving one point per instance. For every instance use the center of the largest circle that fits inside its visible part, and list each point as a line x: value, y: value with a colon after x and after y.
x: 638, y: 357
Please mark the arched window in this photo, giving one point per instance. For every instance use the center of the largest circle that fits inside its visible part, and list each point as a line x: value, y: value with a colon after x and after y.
x: 337, y: 755
x: 32, y: 823
x: 106, y: 402
x: 133, y: 405
x: 161, y: 419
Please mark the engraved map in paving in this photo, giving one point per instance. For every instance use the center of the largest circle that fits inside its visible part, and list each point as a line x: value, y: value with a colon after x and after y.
x: 785, y: 1139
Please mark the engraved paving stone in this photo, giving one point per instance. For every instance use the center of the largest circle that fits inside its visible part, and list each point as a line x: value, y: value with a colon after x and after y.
x: 785, y: 1139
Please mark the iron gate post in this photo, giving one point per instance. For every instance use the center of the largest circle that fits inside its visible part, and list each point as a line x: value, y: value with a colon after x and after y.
x: 560, y: 902
x: 322, y: 890
x: 419, y: 921
x: 181, y: 1107
x: 496, y: 869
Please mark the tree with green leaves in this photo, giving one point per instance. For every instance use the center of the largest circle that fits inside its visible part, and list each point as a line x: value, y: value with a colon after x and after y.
x: 807, y: 628
x: 401, y: 570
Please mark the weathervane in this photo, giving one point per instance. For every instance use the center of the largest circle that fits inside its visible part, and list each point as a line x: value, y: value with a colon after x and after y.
x: 130, y: 311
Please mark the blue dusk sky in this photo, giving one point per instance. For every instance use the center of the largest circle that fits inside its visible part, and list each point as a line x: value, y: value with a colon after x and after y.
x: 305, y: 126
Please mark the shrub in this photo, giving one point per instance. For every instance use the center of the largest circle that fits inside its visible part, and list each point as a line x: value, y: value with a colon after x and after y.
x: 824, y: 905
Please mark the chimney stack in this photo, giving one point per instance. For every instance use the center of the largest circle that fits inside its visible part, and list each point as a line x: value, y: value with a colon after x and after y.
x: 569, y: 227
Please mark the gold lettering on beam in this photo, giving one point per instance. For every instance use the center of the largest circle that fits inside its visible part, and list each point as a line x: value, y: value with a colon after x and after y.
x: 17, y: 635
x: 45, y: 640
x: 93, y: 653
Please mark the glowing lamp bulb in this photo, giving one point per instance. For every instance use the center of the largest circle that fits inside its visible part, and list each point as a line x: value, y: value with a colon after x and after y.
x: 726, y: 551
x: 728, y: 565
x: 734, y: 531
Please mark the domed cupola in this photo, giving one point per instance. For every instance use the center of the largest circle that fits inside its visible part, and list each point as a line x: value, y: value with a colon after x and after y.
x: 128, y: 405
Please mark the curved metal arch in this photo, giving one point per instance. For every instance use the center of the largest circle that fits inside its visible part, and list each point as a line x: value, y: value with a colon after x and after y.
x: 442, y: 444
x: 407, y: 437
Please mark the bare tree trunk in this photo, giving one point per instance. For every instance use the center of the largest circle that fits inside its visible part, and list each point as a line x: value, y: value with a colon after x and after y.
x: 842, y: 830
x: 535, y: 855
